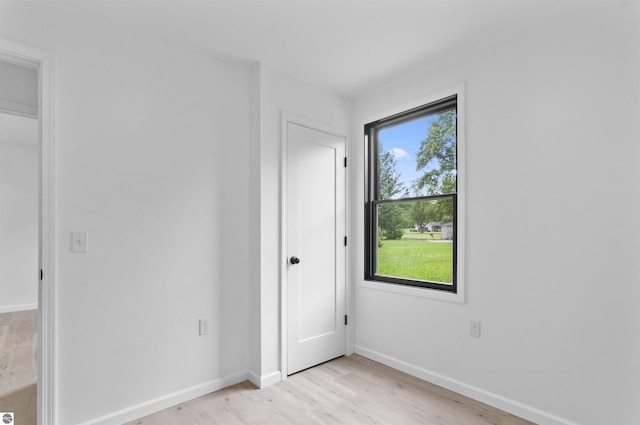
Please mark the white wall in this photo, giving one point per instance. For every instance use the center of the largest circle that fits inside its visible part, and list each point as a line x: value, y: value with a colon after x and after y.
x: 165, y: 159
x: 18, y: 89
x: 152, y: 161
x: 552, y: 148
x: 19, y: 168
x: 280, y: 92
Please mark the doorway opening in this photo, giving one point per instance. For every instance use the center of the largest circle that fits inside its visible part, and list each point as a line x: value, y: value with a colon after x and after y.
x: 26, y: 235
x: 19, y: 240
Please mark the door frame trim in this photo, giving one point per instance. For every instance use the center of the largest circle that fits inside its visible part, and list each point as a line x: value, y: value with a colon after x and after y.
x: 284, y: 168
x: 26, y: 55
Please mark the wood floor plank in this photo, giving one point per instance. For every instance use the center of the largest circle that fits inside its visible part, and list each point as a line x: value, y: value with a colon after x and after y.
x: 349, y: 390
x: 415, y: 393
x: 391, y: 378
x: 18, y: 365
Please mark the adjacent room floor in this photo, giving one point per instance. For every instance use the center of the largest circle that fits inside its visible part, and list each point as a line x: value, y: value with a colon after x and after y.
x: 349, y: 390
x: 18, y: 365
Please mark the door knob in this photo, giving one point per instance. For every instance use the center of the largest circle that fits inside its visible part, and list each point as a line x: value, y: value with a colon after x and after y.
x: 294, y: 260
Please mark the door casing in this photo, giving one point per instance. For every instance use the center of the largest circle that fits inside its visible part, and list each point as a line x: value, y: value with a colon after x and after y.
x: 283, y: 254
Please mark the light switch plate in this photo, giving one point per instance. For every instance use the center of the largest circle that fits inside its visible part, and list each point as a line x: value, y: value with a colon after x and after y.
x: 79, y: 242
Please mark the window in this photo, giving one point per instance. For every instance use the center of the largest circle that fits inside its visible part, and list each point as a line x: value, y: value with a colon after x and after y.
x: 411, y: 215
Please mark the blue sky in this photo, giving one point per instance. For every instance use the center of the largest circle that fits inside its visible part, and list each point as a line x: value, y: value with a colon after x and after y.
x: 404, y: 141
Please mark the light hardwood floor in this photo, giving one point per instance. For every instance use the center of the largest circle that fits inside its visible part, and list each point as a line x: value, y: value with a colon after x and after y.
x: 349, y: 390
x: 18, y: 365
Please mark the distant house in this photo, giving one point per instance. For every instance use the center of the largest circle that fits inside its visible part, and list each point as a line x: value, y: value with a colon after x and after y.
x: 447, y: 231
x: 432, y: 226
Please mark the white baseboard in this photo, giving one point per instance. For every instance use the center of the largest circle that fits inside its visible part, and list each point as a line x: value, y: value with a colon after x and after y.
x: 265, y: 380
x: 487, y: 397
x: 21, y: 307
x: 152, y: 406
x: 254, y: 378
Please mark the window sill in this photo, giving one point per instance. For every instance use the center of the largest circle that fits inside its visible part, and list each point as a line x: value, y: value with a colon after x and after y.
x: 414, y: 291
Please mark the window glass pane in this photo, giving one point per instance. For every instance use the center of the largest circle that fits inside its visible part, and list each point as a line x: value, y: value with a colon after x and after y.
x: 418, y: 157
x: 411, y: 197
x: 415, y: 240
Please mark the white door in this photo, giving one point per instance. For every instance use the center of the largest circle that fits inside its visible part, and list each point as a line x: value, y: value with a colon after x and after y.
x: 315, y: 247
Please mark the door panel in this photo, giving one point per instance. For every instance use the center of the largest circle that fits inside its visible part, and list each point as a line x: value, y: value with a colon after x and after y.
x: 315, y: 235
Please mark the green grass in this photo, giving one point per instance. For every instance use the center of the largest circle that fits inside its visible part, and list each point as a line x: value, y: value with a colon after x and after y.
x: 418, y: 259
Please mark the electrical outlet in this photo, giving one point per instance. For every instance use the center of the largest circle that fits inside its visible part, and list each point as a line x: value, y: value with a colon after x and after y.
x: 204, y: 326
x: 475, y: 329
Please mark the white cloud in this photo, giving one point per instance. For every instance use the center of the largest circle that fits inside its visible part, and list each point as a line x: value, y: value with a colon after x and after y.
x: 399, y: 153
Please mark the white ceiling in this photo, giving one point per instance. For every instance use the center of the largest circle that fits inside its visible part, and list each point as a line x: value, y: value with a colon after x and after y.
x: 349, y: 47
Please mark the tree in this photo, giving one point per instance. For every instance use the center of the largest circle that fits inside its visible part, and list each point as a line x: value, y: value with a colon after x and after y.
x: 437, y: 156
x: 391, y: 222
x: 421, y: 212
x: 390, y: 184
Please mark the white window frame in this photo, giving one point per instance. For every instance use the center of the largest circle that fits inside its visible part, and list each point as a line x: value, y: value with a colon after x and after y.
x: 459, y: 295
